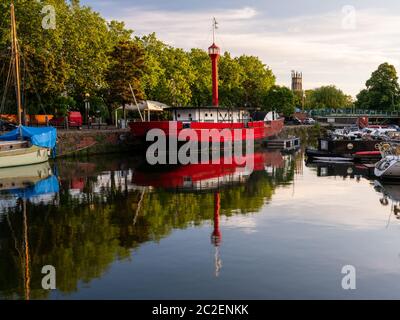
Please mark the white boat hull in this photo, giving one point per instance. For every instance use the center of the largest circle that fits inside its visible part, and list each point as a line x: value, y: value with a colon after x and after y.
x: 388, y: 167
x: 20, y: 177
x: 23, y: 157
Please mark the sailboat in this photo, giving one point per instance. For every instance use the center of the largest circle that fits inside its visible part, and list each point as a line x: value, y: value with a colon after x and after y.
x: 24, y: 145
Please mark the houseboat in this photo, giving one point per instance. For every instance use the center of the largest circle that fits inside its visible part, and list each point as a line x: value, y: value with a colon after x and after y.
x: 207, y: 122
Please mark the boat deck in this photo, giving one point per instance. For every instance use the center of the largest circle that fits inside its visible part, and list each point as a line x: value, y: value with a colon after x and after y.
x: 14, y: 144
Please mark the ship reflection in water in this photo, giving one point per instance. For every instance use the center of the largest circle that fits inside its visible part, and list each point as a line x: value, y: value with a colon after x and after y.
x: 211, y: 178
x: 95, y: 212
x: 115, y: 228
x: 390, y: 192
x: 388, y: 189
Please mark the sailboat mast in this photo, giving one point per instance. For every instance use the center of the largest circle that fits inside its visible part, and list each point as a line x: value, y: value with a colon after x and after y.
x: 15, y: 51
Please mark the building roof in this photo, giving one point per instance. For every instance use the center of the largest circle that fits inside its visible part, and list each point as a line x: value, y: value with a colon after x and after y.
x: 205, y: 107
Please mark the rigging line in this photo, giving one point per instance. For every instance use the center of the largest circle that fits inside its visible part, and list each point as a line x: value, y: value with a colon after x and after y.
x: 2, y: 69
x: 3, y: 101
x: 36, y: 252
x: 139, y: 205
x: 22, y: 54
x: 14, y: 236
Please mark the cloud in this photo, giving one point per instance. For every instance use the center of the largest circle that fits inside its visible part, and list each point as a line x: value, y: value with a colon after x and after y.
x: 319, y: 45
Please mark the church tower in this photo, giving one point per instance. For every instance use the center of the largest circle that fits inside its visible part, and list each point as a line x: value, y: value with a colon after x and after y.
x: 297, y: 81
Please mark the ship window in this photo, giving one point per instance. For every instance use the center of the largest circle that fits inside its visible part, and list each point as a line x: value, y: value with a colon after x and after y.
x: 206, y: 114
x: 179, y: 115
x: 211, y: 115
x: 190, y: 114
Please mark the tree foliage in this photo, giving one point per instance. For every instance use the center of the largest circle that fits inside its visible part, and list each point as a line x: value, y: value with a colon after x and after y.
x: 124, y: 73
x: 280, y: 99
x: 86, y: 54
x: 327, y: 97
x: 382, y: 89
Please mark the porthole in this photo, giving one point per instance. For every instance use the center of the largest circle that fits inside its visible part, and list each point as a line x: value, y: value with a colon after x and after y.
x: 350, y: 146
x: 206, y: 114
x: 179, y: 115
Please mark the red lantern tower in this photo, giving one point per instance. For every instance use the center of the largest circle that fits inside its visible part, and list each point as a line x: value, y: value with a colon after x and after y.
x: 216, y: 236
x: 214, y: 53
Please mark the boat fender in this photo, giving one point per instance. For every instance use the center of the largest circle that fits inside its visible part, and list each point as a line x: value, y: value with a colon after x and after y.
x: 384, y: 201
x: 350, y: 146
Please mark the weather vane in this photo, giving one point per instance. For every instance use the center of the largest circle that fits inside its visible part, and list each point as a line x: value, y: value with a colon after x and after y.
x: 215, y: 26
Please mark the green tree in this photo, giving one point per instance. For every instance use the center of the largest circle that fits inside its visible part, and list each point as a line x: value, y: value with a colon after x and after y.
x: 326, y: 97
x: 125, y: 71
x: 280, y: 99
x: 169, y: 74
x: 230, y: 77
x: 256, y: 80
x: 69, y: 60
x: 201, y: 88
x: 382, y: 89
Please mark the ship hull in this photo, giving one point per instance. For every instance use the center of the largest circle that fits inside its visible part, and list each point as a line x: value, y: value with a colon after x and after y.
x: 23, y: 157
x: 207, y: 132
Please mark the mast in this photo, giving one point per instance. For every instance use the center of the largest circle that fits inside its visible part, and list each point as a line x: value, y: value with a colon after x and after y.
x: 27, y: 273
x: 16, y: 60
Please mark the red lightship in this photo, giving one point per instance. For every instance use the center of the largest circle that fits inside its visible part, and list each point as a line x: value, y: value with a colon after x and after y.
x: 239, y: 123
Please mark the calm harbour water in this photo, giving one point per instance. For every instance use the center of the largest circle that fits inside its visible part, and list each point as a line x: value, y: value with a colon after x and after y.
x: 116, y: 230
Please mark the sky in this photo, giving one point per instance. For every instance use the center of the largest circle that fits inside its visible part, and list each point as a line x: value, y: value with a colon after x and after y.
x: 331, y: 41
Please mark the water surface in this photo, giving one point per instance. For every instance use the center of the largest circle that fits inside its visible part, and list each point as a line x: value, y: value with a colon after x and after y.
x: 114, y: 229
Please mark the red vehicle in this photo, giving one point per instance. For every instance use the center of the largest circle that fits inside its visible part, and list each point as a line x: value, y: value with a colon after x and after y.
x: 74, y: 120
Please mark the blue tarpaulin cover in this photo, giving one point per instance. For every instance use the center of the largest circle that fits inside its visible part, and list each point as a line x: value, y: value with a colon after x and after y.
x: 45, y: 137
x: 43, y: 187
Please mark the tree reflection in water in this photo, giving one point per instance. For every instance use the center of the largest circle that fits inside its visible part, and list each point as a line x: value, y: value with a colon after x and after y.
x: 107, y: 207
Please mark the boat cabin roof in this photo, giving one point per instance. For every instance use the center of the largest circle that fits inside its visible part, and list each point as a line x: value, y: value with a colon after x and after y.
x: 207, y: 108
x: 12, y: 142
